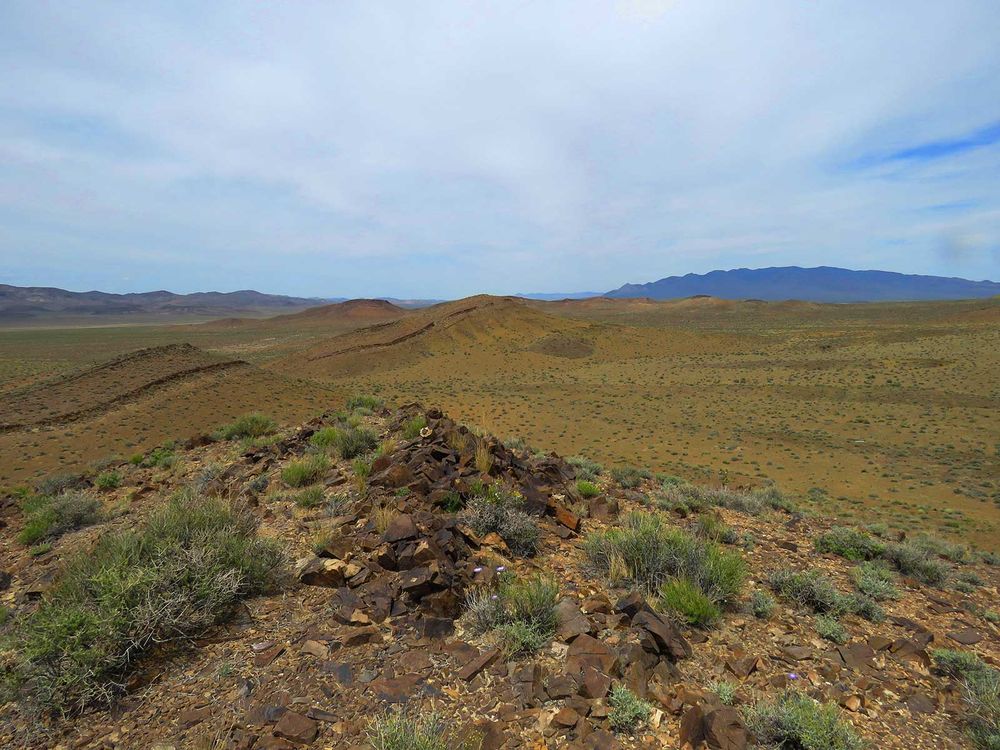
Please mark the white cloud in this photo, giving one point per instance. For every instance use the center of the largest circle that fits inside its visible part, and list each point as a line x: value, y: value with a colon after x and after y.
x: 366, y: 149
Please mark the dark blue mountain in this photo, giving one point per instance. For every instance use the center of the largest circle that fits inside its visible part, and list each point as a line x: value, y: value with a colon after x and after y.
x: 823, y: 284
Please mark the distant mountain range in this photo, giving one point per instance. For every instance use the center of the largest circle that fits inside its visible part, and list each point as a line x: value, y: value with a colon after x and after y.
x: 20, y: 303
x: 823, y: 284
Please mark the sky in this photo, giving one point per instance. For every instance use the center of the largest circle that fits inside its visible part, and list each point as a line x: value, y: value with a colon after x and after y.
x: 438, y: 149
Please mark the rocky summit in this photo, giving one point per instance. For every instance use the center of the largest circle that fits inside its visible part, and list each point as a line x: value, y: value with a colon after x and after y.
x: 388, y: 578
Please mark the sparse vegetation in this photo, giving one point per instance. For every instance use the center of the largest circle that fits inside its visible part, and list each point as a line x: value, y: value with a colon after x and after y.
x: 762, y: 604
x: 587, y: 489
x: 586, y: 469
x: 850, y: 543
x: 519, y: 615
x: 348, y: 442
x: 311, y: 497
x: 501, y: 511
x: 694, y: 578
x: 686, y: 600
x: 726, y: 691
x: 875, y: 580
x: 795, y: 720
x: 917, y: 561
x: 248, y: 426
x: 815, y: 591
x: 630, y: 477
x: 628, y: 711
x: 412, y: 427
x: 397, y: 730
x: 830, y: 628
x: 305, y: 471
x: 980, y: 692
x: 371, y: 403
x: 687, y: 498
x: 181, y: 572
x: 51, y: 516
x: 108, y: 480
x: 712, y: 527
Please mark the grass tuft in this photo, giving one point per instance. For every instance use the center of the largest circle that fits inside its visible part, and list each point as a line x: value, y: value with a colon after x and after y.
x: 586, y: 469
x: 305, y: 471
x: 794, y: 720
x: 181, y: 572
x: 850, y: 543
x: 499, y: 510
x: 51, y: 516
x: 628, y: 711
x: 519, y: 614
x: 248, y: 426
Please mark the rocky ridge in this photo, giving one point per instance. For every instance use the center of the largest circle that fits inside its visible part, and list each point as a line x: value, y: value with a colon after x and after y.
x: 372, y: 616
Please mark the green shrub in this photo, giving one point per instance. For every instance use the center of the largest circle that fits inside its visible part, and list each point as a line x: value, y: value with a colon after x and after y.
x: 56, y: 484
x: 762, y: 604
x: 586, y: 469
x: 325, y: 437
x: 412, y: 427
x: 830, y: 628
x: 711, y: 526
x: 310, y: 497
x: 182, y: 571
x: 587, y: 489
x: 362, y: 467
x: 795, y: 720
x: 875, y: 580
x: 51, y: 516
x: 646, y: 551
x: 372, y: 403
x: 161, y: 457
x: 683, y: 598
x: 934, y: 547
x: 248, y: 426
x: 850, y: 543
x: 108, y: 480
x: 726, y: 691
x: 695, y: 579
x: 397, y: 730
x: 520, y: 614
x: 628, y: 711
x: 751, y: 502
x: 629, y: 477
x: 810, y: 589
x: 866, y: 607
x: 980, y: 692
x: 349, y: 442
x: 498, y: 510
x: 305, y: 471
x: 917, y: 561
x: 815, y: 591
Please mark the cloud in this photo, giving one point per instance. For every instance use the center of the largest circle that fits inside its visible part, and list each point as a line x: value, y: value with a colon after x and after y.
x: 449, y: 148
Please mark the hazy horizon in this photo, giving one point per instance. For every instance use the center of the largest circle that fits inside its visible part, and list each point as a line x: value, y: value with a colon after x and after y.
x: 442, y: 150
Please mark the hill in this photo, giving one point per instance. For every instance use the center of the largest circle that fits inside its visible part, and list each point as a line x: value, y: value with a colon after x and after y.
x: 132, y: 402
x: 823, y: 284
x: 286, y: 593
x: 40, y: 304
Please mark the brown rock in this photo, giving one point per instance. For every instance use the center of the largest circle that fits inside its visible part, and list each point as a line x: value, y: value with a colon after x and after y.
x: 587, y: 651
x: 400, y: 527
x: 296, y: 728
x: 478, y: 664
x: 966, y: 636
x: 595, y: 683
x: 724, y: 729
x: 921, y: 704
x: 692, y: 730
x: 663, y: 634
